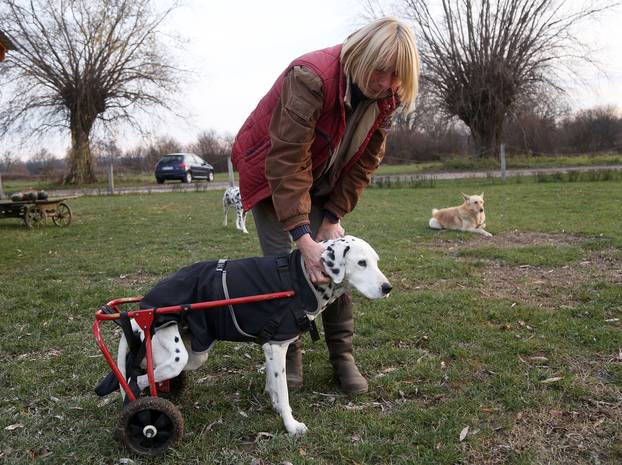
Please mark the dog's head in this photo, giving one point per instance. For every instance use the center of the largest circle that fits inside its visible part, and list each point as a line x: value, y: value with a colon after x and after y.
x: 352, y: 260
x: 474, y: 202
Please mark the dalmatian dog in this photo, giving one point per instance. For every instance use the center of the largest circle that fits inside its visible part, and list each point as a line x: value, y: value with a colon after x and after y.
x: 348, y: 261
x: 232, y: 198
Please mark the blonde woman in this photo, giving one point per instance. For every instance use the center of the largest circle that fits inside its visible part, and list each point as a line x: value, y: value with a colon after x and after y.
x: 309, y: 149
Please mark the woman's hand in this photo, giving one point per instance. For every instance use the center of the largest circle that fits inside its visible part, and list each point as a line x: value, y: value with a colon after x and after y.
x: 312, y: 253
x: 329, y: 231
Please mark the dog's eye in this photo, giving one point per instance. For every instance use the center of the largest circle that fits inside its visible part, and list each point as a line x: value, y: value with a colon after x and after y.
x: 363, y: 263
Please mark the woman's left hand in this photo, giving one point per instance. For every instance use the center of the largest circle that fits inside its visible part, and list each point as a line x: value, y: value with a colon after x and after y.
x: 329, y: 231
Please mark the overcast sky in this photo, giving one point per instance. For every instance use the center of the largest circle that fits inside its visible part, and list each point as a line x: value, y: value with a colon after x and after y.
x: 237, y: 48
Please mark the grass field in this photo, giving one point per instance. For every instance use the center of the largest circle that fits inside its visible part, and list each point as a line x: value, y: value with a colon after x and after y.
x: 517, y: 338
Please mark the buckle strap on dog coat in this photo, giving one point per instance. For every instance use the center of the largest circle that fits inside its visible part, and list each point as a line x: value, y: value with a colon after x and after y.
x: 221, y: 267
x: 271, y: 327
x: 295, y: 306
x: 135, y: 354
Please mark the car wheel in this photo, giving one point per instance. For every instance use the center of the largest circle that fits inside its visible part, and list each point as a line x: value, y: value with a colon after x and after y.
x: 160, y: 180
x: 187, y: 178
x: 210, y: 176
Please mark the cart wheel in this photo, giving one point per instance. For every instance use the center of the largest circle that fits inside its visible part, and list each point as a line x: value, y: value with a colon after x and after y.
x: 176, y: 386
x: 150, y: 425
x: 33, y: 216
x: 62, y: 217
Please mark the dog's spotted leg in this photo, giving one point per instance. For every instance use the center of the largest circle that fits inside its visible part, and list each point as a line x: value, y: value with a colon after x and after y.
x: 240, y: 221
x: 276, y: 385
x: 169, y: 355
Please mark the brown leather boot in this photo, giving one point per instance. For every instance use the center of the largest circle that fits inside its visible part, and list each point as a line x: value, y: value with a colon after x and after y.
x: 338, y: 331
x: 293, y: 365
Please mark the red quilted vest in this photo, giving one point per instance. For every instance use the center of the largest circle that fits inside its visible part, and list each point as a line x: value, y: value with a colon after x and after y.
x: 252, y: 142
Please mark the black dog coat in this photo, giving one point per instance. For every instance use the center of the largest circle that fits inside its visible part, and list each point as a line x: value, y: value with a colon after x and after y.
x: 271, y: 320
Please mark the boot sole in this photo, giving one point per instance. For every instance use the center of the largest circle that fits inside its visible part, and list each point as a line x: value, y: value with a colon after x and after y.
x: 294, y: 384
x: 361, y: 390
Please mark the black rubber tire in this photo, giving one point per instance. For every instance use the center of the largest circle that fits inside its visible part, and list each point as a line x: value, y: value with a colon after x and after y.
x: 188, y: 178
x: 150, y: 415
x: 210, y: 176
x: 160, y: 180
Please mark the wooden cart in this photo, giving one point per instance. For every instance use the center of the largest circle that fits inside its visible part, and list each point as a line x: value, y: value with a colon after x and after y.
x: 36, y: 212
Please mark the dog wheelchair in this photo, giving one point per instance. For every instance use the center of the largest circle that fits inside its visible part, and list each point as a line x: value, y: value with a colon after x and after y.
x: 149, y: 423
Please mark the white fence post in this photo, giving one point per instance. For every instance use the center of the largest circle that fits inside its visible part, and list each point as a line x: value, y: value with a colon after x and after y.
x: 2, y: 196
x: 502, y: 157
x: 110, y: 179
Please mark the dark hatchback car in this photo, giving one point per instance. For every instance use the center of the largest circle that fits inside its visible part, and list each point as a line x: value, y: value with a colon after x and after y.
x: 183, y: 166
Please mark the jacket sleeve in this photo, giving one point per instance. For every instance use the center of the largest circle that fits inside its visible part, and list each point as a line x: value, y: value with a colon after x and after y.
x: 292, y: 131
x: 349, y: 187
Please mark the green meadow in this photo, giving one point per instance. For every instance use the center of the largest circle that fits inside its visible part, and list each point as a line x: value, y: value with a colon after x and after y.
x: 506, y: 350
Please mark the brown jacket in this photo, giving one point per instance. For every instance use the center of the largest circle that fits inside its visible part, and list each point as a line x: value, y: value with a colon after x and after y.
x: 293, y: 181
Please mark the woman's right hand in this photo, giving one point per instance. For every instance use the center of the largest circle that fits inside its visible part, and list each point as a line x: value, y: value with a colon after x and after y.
x: 311, y: 253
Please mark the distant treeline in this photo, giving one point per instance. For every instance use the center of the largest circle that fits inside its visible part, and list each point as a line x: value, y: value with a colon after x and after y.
x: 413, y: 138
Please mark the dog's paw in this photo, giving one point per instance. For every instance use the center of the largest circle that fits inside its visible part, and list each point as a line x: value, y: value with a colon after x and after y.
x: 295, y: 428
x: 487, y: 234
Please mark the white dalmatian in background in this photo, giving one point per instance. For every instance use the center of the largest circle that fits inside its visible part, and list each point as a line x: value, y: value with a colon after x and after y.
x: 232, y: 199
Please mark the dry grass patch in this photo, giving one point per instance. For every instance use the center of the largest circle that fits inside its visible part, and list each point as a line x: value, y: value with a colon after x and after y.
x: 561, y: 437
x: 545, y: 287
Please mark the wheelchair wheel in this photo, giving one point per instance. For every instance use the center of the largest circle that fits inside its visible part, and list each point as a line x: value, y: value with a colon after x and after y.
x: 150, y: 425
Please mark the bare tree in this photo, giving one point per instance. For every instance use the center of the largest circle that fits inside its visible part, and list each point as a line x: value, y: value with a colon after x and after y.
x: 596, y: 129
x: 214, y: 148
x: 482, y: 56
x: 44, y: 163
x: 82, y: 62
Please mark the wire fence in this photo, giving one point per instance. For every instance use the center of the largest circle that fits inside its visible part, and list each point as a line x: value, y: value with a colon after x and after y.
x: 512, y: 149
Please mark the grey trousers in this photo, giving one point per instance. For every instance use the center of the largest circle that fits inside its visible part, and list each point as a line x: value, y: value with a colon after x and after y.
x: 272, y: 238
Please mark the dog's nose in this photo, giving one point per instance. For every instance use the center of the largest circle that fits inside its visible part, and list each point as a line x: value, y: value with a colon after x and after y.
x: 481, y: 210
x: 386, y: 288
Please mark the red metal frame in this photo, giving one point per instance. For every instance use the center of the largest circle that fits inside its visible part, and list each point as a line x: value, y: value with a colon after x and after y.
x: 144, y: 319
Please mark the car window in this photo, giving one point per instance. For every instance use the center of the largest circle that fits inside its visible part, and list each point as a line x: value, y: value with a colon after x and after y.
x: 171, y: 159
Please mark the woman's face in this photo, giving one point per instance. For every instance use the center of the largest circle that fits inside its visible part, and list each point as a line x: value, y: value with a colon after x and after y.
x: 382, y: 83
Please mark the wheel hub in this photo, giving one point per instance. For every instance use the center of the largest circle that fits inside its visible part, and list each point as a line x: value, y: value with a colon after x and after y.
x: 150, y: 431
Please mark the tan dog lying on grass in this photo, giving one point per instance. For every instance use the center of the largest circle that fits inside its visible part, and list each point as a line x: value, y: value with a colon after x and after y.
x: 469, y: 216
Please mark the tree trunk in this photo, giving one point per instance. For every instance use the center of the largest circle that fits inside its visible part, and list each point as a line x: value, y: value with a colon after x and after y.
x: 487, y: 137
x: 80, y: 169
x: 484, y: 140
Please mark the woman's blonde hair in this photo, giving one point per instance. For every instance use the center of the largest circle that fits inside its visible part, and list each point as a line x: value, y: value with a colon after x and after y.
x: 380, y: 45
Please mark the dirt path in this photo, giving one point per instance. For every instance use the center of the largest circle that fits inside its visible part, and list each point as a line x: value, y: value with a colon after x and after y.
x: 496, y: 173
x: 205, y: 186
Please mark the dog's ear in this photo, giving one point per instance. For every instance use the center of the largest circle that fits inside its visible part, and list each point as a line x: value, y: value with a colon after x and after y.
x: 482, y: 195
x: 466, y: 197
x: 334, y: 259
